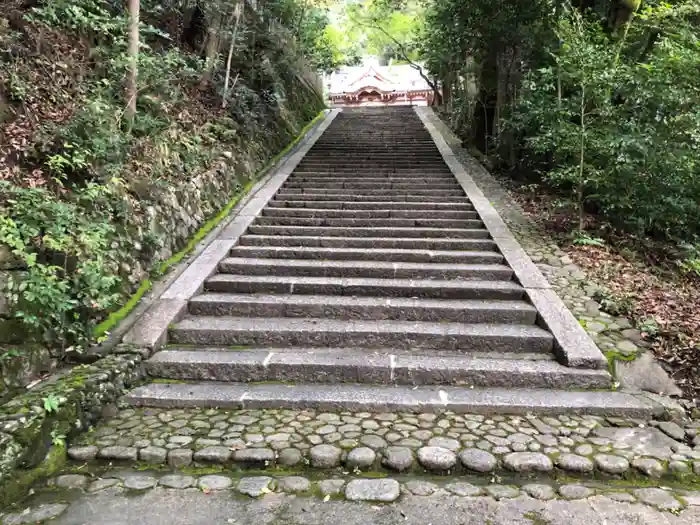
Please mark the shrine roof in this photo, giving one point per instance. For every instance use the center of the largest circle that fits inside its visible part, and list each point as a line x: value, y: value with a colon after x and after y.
x: 401, y: 77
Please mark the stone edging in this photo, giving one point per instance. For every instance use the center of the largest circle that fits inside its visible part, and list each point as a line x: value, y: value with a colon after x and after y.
x: 572, y: 345
x: 150, y: 331
x: 35, y: 425
x: 583, y: 446
x: 356, y: 489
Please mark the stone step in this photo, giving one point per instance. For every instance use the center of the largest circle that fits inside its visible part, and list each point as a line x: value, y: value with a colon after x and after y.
x: 423, y: 171
x: 369, y: 214
x: 433, y: 288
x: 372, y: 222
x: 370, y: 192
x: 387, y: 254
x: 367, y: 205
x: 374, y: 185
x: 385, y: 399
x: 372, y: 176
x: 354, y: 161
x: 337, y: 366
x: 352, y: 167
x: 370, y: 242
x: 368, y: 198
x: 330, y: 231
x: 348, y: 307
x: 370, y: 155
x: 315, y: 332
x: 368, y: 269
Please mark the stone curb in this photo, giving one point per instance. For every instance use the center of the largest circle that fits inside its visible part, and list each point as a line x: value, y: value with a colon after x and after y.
x: 150, y: 331
x: 572, y: 345
x: 370, y: 490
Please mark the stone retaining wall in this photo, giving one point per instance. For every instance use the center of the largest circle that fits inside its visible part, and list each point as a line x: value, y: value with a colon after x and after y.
x: 35, y: 426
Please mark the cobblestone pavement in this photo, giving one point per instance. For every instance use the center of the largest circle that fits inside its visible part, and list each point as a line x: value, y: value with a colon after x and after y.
x: 142, y: 498
x: 446, y: 443
x: 615, y: 335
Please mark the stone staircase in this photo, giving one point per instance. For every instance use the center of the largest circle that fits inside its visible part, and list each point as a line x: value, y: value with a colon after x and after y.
x: 369, y: 281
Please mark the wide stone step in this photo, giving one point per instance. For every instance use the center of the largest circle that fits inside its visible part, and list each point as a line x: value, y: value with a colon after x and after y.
x: 436, y: 193
x: 376, y: 308
x: 423, y: 171
x: 370, y: 242
x: 352, y: 167
x: 369, y: 214
x: 369, y: 269
x: 382, y: 398
x: 358, y: 222
x: 434, y: 288
x: 372, y: 176
x: 337, y: 366
x: 371, y: 155
x: 329, y: 231
x: 368, y: 198
x: 374, y: 185
x: 406, y: 335
x: 351, y: 161
x: 367, y: 205
x: 376, y: 254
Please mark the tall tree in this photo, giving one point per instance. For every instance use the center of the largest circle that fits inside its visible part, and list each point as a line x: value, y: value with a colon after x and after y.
x: 133, y: 54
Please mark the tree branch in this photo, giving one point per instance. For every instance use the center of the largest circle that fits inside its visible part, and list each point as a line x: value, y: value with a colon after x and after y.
x: 404, y: 53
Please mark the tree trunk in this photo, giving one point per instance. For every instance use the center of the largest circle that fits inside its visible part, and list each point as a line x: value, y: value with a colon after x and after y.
x: 133, y: 53
x: 237, y: 14
x: 484, y: 111
x: 212, y: 50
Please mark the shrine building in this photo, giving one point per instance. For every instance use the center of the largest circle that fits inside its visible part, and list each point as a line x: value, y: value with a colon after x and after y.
x: 375, y: 85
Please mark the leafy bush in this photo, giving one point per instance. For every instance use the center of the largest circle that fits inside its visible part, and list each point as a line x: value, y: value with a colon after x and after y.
x: 70, y: 265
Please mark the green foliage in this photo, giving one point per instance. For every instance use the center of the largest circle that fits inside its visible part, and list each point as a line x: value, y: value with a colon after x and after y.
x: 10, y: 355
x: 69, y: 261
x: 51, y: 403
x: 601, y: 104
x: 387, y: 30
x: 82, y: 212
x: 583, y: 239
x: 324, y: 45
x: 690, y: 264
x: 622, y: 134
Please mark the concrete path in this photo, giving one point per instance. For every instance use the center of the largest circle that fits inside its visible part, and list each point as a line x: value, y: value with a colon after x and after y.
x: 193, y: 507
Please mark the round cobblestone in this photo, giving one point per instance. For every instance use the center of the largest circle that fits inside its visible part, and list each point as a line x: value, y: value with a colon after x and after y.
x: 611, y: 464
x: 325, y: 456
x: 575, y: 491
x: 398, y: 458
x: 437, y: 459
x: 574, y: 463
x: 294, y: 484
x: 478, y: 460
x: 540, y: 491
x: 362, y: 458
x: 443, y: 442
x: 527, y: 462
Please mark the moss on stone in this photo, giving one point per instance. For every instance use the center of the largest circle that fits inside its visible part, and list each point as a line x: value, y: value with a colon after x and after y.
x: 536, y: 518
x: 13, y: 489
x: 615, y: 355
x: 116, y: 317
